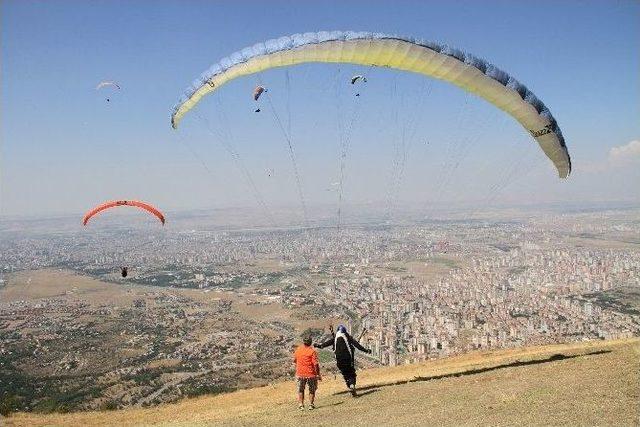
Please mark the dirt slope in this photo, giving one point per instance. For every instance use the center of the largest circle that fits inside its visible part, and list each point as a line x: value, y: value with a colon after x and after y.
x: 590, y: 383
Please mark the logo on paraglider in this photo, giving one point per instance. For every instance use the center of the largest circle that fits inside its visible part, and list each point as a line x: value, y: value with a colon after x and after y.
x: 544, y: 131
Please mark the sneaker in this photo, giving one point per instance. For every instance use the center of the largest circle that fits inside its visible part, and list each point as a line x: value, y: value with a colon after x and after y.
x: 312, y: 407
x: 301, y: 407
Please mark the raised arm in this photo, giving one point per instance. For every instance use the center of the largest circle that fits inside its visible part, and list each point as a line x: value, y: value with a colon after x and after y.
x: 327, y: 343
x: 356, y: 344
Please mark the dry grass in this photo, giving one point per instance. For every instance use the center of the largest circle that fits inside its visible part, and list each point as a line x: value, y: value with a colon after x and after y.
x: 601, y: 242
x: 36, y: 284
x: 264, y: 312
x: 593, y: 383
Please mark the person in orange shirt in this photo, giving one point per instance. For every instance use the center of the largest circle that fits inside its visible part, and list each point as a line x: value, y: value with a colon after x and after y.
x: 307, y: 371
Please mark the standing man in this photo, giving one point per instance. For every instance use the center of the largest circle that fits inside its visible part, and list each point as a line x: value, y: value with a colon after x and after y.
x: 307, y: 371
x: 344, y: 346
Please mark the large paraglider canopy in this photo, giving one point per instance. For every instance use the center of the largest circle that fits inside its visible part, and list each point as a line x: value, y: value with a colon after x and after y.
x: 464, y: 70
x: 113, y: 204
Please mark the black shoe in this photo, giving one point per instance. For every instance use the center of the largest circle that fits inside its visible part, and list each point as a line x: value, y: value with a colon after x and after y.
x: 352, y: 388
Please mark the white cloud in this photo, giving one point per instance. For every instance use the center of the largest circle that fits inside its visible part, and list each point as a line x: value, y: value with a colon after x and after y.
x: 625, y: 154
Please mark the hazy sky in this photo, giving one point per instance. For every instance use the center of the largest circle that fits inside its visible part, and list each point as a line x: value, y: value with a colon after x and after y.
x: 65, y: 147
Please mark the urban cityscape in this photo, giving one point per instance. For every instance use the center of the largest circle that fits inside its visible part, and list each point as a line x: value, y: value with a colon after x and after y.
x: 210, y: 309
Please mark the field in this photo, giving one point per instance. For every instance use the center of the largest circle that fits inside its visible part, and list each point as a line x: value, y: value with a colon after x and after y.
x: 71, y: 342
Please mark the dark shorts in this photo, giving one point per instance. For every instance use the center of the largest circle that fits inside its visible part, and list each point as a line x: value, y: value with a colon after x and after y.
x: 302, y: 382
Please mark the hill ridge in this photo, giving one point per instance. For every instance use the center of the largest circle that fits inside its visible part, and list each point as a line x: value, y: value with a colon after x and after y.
x: 584, y: 383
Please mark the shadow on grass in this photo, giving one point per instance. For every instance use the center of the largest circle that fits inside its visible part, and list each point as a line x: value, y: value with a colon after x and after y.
x: 517, y: 363
x: 368, y: 390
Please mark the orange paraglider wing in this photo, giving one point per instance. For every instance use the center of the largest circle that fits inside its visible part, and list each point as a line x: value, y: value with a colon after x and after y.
x: 108, y: 205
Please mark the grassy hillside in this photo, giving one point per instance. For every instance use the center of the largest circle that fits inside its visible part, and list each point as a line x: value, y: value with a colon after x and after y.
x: 590, y: 383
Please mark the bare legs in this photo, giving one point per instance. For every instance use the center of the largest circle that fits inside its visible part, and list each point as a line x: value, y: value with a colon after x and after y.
x: 312, y: 397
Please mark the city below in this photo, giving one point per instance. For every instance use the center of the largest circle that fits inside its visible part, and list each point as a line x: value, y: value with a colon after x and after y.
x: 208, y: 309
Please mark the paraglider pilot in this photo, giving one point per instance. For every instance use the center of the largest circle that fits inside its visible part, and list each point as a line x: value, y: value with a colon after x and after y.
x: 344, y: 346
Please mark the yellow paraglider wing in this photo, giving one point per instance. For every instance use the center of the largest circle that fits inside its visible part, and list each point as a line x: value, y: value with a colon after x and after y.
x: 430, y: 59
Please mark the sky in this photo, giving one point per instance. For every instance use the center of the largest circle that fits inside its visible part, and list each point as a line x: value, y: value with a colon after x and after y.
x: 66, y: 148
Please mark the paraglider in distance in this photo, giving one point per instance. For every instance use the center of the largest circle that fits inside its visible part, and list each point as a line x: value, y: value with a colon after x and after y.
x: 257, y: 92
x: 355, y: 78
x: 106, y: 83
x: 116, y: 203
x: 334, y: 186
x: 113, y: 204
x: 464, y: 70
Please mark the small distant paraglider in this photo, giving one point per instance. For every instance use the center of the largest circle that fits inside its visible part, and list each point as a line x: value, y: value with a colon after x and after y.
x: 334, y: 186
x: 357, y: 77
x: 107, y: 83
x: 257, y: 92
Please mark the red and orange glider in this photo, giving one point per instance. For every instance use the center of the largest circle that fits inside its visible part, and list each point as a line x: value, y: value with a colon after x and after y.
x: 116, y: 203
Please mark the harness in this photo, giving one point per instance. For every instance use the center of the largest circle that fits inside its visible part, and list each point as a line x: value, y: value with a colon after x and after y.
x: 341, y: 335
